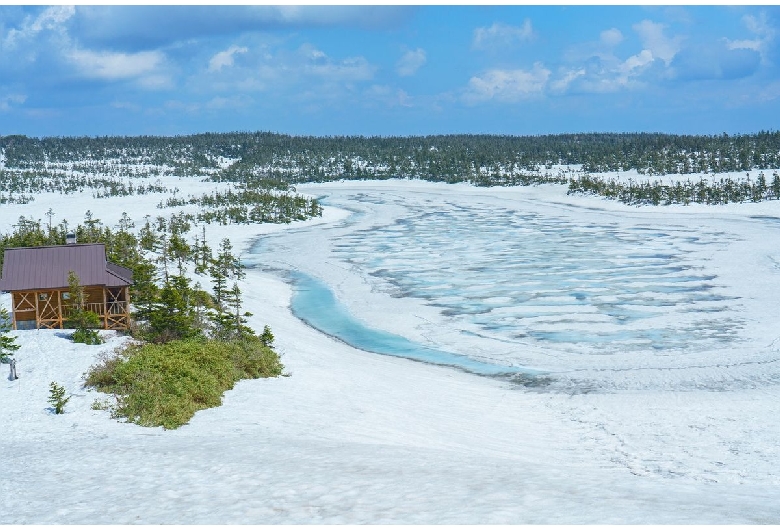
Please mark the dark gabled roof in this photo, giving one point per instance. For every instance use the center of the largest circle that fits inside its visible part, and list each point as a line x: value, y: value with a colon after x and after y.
x: 123, y: 273
x: 34, y: 268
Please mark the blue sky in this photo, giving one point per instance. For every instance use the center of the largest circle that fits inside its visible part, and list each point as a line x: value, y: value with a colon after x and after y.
x: 393, y: 70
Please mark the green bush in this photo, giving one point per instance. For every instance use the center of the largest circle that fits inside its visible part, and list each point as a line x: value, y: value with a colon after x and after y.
x: 57, y: 398
x: 165, y: 384
x: 86, y: 336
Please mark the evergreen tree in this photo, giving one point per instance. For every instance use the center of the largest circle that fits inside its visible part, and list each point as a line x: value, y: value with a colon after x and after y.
x: 236, y: 323
x: 83, y: 320
x: 173, y: 316
x: 202, y: 253
x: 144, y: 291
x: 267, y: 337
x: 7, y: 343
x: 91, y: 231
x: 201, y: 301
x: 179, y: 250
x: 148, y: 238
x: 218, y: 286
x: 57, y: 398
x: 225, y: 267
x: 760, y: 189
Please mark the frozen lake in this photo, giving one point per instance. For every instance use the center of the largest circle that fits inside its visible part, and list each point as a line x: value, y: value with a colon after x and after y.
x: 579, y: 292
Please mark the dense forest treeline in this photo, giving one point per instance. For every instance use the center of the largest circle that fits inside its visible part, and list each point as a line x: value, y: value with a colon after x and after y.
x: 307, y: 158
x: 721, y: 191
x: 264, y: 157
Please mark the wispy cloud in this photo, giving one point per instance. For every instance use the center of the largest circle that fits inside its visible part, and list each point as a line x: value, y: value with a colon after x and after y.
x: 611, y: 37
x: 596, y: 68
x: 508, y: 86
x: 11, y: 100
x: 35, y: 38
x: 768, y: 93
x: 410, y: 62
x: 225, y: 58
x: 764, y: 35
x: 565, y: 78
x: 43, y: 43
x: 232, y: 102
x: 656, y: 42
x: 126, y: 105
x: 318, y: 64
x: 275, y: 69
x: 388, y: 96
x: 500, y: 34
x: 51, y: 19
x: 131, y: 28
x: 145, y: 67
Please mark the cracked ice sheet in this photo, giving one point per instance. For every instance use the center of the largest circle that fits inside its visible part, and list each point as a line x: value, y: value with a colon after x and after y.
x: 354, y: 437
x: 601, y: 295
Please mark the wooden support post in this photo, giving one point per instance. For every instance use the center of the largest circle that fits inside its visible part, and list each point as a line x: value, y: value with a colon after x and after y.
x: 59, y: 307
x: 37, y: 315
x: 105, y: 310
x: 127, y: 307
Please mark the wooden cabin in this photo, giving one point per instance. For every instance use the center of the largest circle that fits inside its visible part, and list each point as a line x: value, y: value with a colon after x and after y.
x: 37, y: 278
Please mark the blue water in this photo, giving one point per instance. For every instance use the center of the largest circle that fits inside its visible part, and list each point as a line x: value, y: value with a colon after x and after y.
x: 544, y: 283
x: 315, y: 304
x: 522, y: 274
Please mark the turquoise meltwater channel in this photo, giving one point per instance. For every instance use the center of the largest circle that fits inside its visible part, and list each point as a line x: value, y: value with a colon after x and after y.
x: 314, y: 303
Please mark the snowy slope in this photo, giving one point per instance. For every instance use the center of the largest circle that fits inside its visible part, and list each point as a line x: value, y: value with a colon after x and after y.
x: 354, y: 437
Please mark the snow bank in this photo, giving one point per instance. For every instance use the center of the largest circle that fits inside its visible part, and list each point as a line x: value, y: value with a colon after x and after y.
x: 353, y: 437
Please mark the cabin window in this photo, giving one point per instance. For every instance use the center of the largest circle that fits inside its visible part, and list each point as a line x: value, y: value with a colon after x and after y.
x: 43, y: 297
x: 66, y: 296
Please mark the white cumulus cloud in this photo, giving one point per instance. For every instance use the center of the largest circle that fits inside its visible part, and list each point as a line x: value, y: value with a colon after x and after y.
x: 507, y: 86
x: 11, y: 100
x: 611, y: 37
x: 388, y: 96
x: 225, y: 58
x: 411, y: 61
x: 50, y: 19
x: 764, y: 35
x: 656, y: 42
x: 637, y: 61
x: 317, y: 63
x: 566, y: 78
x: 146, y: 67
x: 500, y: 34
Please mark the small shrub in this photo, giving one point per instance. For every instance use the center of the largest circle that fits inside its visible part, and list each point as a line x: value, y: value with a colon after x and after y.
x: 101, y: 375
x: 86, y: 336
x: 104, y: 404
x: 7, y: 342
x: 267, y: 338
x: 57, y: 398
x: 84, y: 321
x: 165, y: 384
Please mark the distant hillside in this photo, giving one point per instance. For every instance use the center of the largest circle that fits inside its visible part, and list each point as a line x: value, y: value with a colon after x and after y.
x: 450, y: 157
x: 485, y: 160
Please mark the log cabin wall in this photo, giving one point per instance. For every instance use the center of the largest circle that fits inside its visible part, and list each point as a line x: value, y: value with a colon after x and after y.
x: 49, y: 308
x: 34, y: 276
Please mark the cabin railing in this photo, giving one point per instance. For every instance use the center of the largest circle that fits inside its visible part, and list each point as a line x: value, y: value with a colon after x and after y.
x: 112, y: 308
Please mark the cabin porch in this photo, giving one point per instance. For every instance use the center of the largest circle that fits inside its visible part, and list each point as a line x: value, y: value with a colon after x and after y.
x: 48, y: 308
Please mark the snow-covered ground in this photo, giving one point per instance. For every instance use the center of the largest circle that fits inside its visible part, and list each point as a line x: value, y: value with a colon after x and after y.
x: 679, y: 426
x: 634, y: 176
